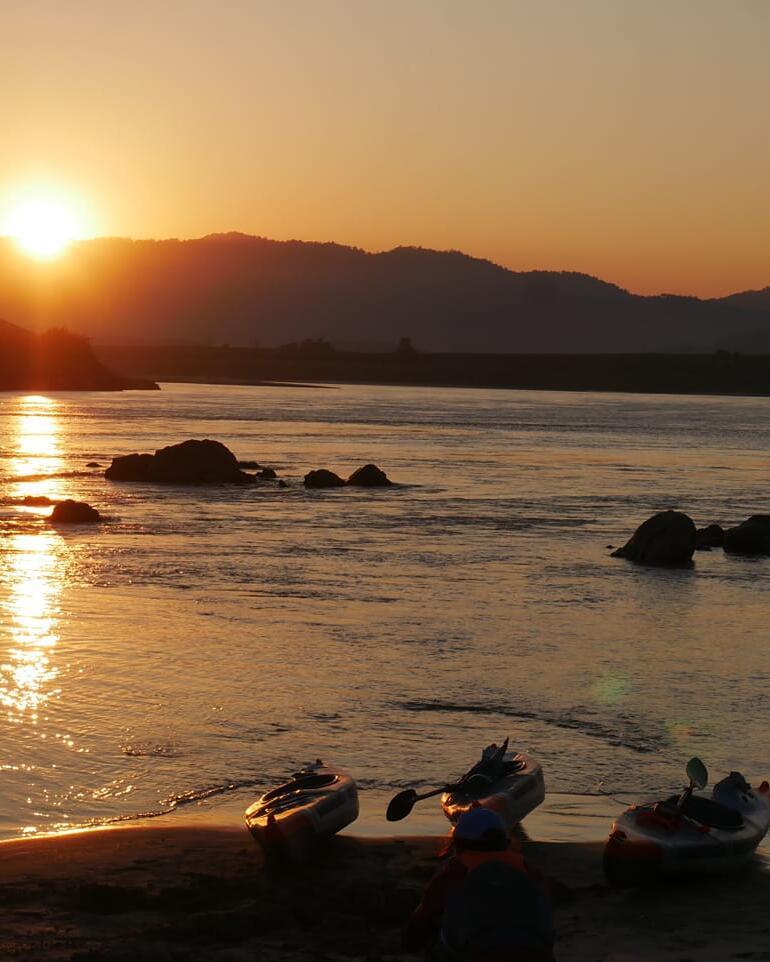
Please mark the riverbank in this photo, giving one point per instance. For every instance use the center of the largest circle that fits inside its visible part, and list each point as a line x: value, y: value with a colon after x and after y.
x: 719, y: 373
x: 164, y: 893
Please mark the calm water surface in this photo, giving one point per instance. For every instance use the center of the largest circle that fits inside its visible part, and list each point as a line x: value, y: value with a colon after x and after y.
x: 203, y: 642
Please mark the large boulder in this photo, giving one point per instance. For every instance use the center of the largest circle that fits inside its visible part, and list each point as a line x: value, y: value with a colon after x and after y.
x: 751, y: 536
x: 74, y: 512
x: 130, y: 467
x: 370, y: 476
x: 667, y: 538
x: 712, y: 536
x: 191, y: 462
x: 323, y: 479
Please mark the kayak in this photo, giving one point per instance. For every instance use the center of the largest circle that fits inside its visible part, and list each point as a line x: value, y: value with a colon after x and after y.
x: 690, y: 834
x: 289, y: 821
x: 509, y: 783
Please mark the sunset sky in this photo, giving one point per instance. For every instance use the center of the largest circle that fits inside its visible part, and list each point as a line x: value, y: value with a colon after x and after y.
x: 625, y: 139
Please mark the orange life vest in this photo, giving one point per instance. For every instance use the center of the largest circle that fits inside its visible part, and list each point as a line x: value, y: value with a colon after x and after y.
x: 509, y: 856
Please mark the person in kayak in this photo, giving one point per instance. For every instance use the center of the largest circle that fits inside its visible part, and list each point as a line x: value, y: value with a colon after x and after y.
x: 485, y: 904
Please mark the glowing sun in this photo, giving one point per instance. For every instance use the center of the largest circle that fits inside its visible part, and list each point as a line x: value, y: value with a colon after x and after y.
x: 42, y: 227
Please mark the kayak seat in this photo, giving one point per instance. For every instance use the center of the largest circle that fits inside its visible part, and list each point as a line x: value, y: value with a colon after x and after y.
x: 513, y: 766
x: 301, y: 783
x: 708, y: 812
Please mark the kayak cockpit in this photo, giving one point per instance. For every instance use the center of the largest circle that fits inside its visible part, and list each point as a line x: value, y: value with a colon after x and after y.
x: 707, y: 812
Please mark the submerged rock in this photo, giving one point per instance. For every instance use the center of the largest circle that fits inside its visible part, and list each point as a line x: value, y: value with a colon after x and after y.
x: 93, y: 464
x: 370, y: 476
x: 251, y: 465
x: 74, y: 512
x: 191, y: 462
x: 268, y: 474
x: 712, y: 536
x: 751, y: 536
x: 667, y: 538
x: 36, y: 500
x: 323, y: 479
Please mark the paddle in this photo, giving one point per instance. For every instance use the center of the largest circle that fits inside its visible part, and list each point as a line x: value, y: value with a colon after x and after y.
x: 403, y: 803
x: 699, y: 777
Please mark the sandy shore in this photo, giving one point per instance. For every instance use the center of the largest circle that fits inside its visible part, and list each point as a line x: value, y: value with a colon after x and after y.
x: 172, y: 894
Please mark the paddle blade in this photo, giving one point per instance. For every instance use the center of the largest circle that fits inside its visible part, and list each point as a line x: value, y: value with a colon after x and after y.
x: 401, y: 805
x: 697, y: 773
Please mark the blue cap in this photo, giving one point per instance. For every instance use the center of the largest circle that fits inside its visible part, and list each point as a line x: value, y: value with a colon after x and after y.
x: 475, y: 823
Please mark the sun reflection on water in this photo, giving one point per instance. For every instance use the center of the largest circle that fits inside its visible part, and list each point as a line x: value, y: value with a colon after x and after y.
x: 32, y: 577
x: 27, y: 677
x: 37, y: 452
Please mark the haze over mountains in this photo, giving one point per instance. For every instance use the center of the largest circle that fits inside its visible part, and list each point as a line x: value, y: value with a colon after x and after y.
x: 241, y: 290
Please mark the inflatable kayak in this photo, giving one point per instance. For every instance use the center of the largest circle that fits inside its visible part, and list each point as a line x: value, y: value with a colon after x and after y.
x: 509, y: 783
x: 288, y: 822
x: 692, y: 833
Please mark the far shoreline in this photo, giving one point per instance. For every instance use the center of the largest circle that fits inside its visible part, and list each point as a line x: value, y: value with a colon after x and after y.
x: 321, y: 385
x: 719, y: 374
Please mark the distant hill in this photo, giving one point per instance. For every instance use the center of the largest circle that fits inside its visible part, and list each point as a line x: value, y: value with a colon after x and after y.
x: 754, y: 336
x: 55, y: 361
x: 243, y: 290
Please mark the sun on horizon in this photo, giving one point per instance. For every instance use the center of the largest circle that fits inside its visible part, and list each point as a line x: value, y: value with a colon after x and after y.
x: 42, y: 226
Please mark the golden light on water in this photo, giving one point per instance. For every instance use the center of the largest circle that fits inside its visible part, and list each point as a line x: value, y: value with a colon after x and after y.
x: 37, y: 451
x: 32, y: 576
x: 28, y: 675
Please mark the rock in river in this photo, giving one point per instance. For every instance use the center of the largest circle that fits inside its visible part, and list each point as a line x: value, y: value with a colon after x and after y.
x: 191, y: 462
x: 323, y: 479
x: 74, y: 512
x: 712, y: 536
x: 36, y: 500
x: 370, y: 476
x: 751, y: 536
x: 667, y: 538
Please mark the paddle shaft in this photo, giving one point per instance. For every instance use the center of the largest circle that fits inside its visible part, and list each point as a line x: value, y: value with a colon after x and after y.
x: 436, y: 791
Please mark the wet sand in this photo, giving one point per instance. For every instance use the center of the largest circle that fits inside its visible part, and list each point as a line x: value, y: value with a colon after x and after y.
x: 168, y: 894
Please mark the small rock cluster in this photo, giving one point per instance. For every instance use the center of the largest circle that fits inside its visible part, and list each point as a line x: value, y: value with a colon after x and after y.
x: 369, y: 476
x: 199, y: 462
x: 74, y: 512
x: 671, y: 538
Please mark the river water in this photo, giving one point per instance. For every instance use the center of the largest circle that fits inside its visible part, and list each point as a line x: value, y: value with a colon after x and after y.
x: 203, y: 642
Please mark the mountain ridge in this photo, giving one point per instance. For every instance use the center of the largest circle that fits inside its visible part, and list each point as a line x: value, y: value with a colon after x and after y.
x: 247, y: 290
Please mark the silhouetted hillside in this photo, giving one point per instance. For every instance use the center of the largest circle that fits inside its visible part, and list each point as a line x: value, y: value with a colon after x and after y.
x: 249, y: 290
x: 54, y: 361
x: 752, y: 337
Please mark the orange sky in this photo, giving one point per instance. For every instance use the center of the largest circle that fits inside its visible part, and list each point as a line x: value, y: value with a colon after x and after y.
x: 624, y: 138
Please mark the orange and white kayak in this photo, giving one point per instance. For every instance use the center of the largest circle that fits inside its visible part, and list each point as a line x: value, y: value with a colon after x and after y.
x: 289, y: 821
x: 509, y: 783
x: 691, y: 834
